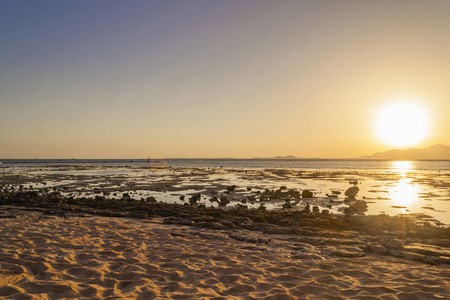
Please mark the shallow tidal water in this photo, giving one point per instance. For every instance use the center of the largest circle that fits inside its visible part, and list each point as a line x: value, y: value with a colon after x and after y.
x: 403, y: 188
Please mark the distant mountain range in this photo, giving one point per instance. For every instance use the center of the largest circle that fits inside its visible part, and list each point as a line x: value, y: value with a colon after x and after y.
x: 433, y: 152
x: 280, y: 157
x: 286, y: 157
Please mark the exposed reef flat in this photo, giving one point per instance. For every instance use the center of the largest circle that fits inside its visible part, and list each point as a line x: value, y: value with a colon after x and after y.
x: 391, y: 192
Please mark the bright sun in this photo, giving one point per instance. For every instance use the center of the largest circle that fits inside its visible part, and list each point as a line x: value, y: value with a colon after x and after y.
x: 402, y: 124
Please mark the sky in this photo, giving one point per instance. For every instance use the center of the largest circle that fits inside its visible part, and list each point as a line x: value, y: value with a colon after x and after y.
x: 138, y: 79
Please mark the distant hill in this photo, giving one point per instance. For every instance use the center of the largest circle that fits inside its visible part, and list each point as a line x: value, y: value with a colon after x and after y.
x: 286, y: 157
x: 279, y: 157
x: 433, y: 152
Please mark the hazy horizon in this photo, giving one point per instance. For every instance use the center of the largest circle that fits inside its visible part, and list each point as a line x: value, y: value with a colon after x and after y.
x: 362, y: 157
x: 212, y: 79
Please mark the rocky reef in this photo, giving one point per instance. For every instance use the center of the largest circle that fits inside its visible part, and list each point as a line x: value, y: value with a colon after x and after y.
x: 398, y: 236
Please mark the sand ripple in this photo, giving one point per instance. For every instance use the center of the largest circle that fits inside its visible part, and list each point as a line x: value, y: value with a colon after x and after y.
x: 100, y: 257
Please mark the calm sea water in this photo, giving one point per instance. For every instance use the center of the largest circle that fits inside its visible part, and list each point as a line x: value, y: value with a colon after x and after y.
x: 320, y: 164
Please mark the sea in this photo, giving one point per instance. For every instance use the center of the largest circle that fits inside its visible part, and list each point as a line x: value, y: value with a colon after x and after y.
x: 319, y: 164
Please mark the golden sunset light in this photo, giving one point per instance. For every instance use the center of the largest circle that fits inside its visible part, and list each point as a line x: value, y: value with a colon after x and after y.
x: 224, y: 149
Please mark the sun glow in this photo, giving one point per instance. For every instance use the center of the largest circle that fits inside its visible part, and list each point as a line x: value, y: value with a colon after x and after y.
x: 402, y: 124
x: 404, y: 193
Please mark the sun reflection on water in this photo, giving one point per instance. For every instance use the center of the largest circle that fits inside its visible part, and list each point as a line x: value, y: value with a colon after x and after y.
x: 402, y: 167
x: 404, y: 192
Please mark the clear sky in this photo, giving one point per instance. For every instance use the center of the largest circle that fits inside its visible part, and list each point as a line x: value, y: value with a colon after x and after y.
x: 138, y: 79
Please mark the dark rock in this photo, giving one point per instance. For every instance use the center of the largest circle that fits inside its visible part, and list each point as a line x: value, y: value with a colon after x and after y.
x: 294, y: 194
x: 224, y: 201
x: 287, y: 205
x: 307, y: 194
x: 231, y: 188
x: 151, y: 199
x: 240, y: 206
x: 251, y: 198
x: 358, y: 208
x: 352, y: 192
x: 307, y: 209
x: 194, y: 199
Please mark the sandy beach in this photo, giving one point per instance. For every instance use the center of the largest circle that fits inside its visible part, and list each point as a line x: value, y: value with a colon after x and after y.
x: 84, y: 256
x: 224, y: 149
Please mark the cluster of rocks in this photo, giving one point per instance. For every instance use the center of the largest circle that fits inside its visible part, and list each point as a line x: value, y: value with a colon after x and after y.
x: 281, y: 194
x: 287, y: 221
x: 291, y: 197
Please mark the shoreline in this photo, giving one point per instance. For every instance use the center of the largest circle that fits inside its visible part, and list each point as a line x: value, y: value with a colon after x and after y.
x: 286, y: 222
x: 287, y: 219
x: 421, y: 194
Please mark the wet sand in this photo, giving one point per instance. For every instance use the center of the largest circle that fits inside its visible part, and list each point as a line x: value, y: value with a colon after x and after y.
x: 45, y: 256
